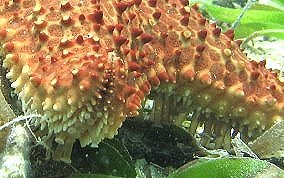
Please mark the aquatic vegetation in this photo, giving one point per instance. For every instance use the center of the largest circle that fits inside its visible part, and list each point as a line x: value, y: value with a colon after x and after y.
x: 260, y: 19
x: 228, y: 167
x: 86, y: 66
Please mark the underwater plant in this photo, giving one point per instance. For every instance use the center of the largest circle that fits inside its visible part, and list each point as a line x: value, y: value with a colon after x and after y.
x: 86, y: 66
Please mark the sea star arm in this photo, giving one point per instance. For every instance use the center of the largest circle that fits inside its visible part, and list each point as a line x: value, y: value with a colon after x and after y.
x: 207, y: 73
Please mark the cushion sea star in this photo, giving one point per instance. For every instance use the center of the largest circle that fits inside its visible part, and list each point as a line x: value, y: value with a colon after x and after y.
x: 86, y: 65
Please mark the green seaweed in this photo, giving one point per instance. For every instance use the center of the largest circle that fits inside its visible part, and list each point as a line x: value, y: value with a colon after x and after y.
x: 218, y: 168
x: 110, y: 158
x: 92, y: 176
x: 258, y: 18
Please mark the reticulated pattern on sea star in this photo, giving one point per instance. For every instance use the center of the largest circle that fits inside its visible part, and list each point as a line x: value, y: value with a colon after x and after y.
x: 86, y: 65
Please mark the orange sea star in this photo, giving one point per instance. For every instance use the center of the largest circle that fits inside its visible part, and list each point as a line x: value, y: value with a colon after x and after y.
x: 86, y: 65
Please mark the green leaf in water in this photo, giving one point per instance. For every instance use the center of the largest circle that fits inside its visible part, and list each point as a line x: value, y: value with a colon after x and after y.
x: 224, y: 167
x: 92, y: 176
x: 230, y: 15
x: 279, y: 4
x: 267, y: 18
x: 268, y: 29
x: 110, y: 158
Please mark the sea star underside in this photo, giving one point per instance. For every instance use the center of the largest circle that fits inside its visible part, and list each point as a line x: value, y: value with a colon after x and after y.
x: 86, y: 65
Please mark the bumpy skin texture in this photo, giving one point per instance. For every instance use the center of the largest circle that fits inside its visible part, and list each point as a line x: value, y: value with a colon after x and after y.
x: 87, y: 65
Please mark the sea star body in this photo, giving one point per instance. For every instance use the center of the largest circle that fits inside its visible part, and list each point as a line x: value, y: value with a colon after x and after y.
x: 86, y: 65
